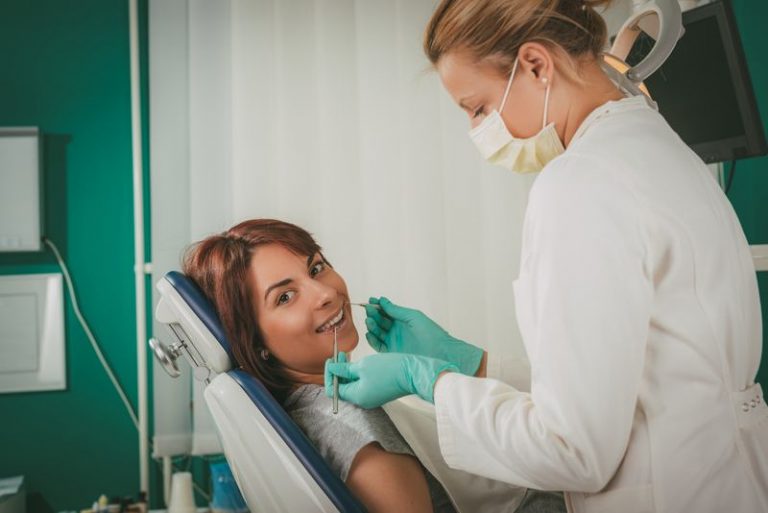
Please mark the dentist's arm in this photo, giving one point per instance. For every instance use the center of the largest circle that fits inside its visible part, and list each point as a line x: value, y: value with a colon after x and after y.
x: 380, y: 378
x: 396, y: 329
x: 586, y: 297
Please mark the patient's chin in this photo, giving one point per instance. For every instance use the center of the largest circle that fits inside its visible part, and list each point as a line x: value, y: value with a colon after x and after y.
x: 348, y: 345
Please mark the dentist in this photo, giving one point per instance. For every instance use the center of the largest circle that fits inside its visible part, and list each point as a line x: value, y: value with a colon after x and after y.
x: 637, y: 298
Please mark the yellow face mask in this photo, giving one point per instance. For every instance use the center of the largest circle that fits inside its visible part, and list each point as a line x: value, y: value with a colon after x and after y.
x: 521, y: 155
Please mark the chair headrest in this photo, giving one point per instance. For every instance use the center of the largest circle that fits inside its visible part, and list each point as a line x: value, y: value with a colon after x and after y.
x: 183, y: 303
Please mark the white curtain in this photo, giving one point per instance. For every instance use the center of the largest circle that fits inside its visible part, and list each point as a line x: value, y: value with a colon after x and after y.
x: 325, y: 113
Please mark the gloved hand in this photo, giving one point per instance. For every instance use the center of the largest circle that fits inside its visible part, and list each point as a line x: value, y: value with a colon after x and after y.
x: 380, y: 378
x: 395, y: 329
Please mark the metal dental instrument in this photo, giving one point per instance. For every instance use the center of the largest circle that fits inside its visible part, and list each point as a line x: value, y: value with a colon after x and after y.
x: 378, y: 307
x: 335, y: 378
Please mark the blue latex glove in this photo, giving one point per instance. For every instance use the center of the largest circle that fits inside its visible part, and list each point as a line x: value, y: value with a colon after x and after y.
x: 395, y: 329
x: 380, y: 378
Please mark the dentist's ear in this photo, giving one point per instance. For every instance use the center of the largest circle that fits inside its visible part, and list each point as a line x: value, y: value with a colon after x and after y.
x: 536, y: 62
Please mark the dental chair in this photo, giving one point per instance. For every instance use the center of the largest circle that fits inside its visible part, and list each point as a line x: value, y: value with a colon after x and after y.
x: 274, y: 464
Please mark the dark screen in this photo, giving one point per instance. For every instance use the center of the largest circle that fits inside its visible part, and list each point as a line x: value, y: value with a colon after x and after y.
x: 694, y: 87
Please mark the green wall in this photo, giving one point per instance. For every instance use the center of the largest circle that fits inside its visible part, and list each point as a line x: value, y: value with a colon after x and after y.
x: 749, y: 191
x: 65, y: 69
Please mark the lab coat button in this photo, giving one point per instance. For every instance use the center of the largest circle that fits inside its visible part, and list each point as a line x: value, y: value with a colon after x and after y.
x: 745, y: 407
x: 753, y: 403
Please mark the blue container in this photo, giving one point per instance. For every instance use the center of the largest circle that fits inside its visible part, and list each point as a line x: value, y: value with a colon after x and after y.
x: 226, y: 495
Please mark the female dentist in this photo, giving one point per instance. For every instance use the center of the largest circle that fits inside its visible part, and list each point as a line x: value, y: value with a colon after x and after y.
x: 637, y: 299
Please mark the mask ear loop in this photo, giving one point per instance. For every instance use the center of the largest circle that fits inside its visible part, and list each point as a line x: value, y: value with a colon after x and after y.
x: 546, y: 106
x: 509, y: 84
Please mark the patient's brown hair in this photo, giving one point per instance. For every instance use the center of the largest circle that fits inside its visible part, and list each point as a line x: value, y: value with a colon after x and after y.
x: 220, y: 265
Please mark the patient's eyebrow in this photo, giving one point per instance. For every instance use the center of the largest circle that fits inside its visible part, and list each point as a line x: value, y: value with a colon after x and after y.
x: 276, y: 285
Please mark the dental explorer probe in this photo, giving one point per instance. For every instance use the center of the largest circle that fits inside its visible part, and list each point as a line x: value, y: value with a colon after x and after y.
x: 377, y: 307
x: 335, y: 378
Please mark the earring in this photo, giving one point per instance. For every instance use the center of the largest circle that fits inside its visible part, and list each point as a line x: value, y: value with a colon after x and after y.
x: 264, y: 354
x: 544, y: 80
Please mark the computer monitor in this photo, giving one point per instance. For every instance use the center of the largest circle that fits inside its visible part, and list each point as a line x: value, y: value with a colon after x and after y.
x: 704, y: 89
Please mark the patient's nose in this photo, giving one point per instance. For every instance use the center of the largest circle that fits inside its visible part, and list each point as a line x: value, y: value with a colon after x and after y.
x: 324, y: 294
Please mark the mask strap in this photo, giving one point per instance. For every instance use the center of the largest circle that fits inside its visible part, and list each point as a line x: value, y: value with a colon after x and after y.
x: 509, y: 84
x: 546, y: 108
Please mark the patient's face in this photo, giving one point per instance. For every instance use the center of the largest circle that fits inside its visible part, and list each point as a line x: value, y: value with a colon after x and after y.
x: 298, y: 300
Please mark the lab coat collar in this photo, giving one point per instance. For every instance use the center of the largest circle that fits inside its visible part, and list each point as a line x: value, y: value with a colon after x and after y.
x: 612, y: 107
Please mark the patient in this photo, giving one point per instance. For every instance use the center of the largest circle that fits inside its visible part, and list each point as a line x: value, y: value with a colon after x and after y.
x: 279, y: 301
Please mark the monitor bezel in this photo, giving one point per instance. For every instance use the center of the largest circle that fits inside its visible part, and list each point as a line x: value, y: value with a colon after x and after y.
x: 753, y: 137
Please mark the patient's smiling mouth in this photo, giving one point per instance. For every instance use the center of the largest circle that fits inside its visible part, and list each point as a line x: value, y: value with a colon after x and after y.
x: 335, y: 321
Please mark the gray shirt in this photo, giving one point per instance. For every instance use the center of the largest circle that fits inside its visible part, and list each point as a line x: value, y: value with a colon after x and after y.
x: 339, y: 437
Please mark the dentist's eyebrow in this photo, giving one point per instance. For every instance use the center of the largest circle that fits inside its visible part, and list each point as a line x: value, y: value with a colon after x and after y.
x: 280, y: 283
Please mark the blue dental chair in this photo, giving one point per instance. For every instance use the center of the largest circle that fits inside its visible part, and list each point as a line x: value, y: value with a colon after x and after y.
x: 274, y: 464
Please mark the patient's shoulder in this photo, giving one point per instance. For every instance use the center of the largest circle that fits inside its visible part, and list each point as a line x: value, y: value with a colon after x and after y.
x: 339, y: 437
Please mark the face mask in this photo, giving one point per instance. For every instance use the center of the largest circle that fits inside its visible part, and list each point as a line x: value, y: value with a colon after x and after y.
x: 501, y: 148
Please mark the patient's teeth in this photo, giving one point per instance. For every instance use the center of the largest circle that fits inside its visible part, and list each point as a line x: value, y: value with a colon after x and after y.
x: 327, y: 326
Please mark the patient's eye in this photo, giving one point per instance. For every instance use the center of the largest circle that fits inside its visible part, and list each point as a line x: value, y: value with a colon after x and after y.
x: 317, y: 268
x: 285, y: 297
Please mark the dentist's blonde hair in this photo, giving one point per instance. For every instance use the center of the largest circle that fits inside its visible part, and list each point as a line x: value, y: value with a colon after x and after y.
x: 493, y: 30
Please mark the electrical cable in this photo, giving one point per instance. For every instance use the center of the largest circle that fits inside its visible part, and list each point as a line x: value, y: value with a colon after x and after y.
x: 730, y: 177
x: 100, y: 354
x: 89, y: 334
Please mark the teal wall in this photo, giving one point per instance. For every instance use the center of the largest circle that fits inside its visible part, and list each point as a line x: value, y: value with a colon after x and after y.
x: 65, y: 69
x: 749, y: 191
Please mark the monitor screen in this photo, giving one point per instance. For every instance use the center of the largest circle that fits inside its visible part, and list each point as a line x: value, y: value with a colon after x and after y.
x: 704, y: 90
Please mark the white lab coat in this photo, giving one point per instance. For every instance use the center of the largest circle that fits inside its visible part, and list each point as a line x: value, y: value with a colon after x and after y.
x: 469, y: 493
x: 638, y: 306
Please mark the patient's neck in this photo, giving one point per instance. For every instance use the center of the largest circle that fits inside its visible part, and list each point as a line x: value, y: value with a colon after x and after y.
x: 303, y: 378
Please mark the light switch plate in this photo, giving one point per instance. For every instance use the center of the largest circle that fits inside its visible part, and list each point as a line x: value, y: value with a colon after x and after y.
x: 32, y: 354
x: 19, y: 332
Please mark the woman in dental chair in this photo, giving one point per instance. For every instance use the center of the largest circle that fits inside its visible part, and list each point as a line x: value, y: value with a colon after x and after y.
x: 279, y: 301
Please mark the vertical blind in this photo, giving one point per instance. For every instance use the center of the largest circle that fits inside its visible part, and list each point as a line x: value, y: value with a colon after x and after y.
x: 325, y: 113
